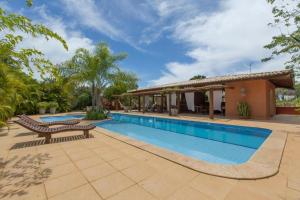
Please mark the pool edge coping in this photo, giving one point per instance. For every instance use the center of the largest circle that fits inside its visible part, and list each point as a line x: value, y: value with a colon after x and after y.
x: 265, y: 162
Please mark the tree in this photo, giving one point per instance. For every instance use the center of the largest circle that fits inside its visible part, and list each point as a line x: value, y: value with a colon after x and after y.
x: 13, y: 61
x: 196, y: 77
x: 297, y: 89
x: 287, y: 15
x: 95, y: 69
x: 121, y: 83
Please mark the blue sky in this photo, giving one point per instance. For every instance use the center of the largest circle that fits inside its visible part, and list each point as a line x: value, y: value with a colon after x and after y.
x: 166, y: 40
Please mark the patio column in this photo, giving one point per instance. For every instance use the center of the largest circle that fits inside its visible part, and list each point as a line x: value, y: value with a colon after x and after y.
x: 144, y: 106
x: 139, y: 103
x: 162, y: 103
x: 178, y: 102
x: 170, y: 113
x: 211, y: 104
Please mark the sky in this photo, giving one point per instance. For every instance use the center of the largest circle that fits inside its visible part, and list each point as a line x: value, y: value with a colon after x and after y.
x: 166, y: 40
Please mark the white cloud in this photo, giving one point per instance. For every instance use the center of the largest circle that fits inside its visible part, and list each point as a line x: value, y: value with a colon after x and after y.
x: 87, y: 13
x: 90, y: 14
x: 219, y: 42
x: 167, y: 12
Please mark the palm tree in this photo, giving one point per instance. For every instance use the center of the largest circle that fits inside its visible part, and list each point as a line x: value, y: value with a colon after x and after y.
x: 95, y: 69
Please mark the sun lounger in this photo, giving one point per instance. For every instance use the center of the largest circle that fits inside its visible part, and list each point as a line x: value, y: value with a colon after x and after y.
x: 47, y: 132
x: 34, y: 122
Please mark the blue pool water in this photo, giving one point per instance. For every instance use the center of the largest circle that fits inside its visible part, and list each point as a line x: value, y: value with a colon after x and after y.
x: 61, y: 118
x: 216, y: 143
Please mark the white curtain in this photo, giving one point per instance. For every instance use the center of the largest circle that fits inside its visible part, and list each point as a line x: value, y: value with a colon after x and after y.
x: 217, y: 100
x: 147, y: 100
x: 167, y: 102
x: 173, y: 100
x: 189, y: 96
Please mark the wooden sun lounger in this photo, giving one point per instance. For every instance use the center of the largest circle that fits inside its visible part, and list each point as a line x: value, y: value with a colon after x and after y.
x: 47, y: 132
x: 34, y: 122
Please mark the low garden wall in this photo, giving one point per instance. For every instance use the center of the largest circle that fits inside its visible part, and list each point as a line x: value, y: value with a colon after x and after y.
x: 288, y: 110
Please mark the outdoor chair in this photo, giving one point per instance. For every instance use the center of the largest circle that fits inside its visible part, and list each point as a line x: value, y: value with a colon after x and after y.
x: 47, y: 132
x: 46, y: 124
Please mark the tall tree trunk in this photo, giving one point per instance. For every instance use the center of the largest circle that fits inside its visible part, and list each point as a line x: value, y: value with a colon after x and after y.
x: 99, y: 99
x: 93, y: 95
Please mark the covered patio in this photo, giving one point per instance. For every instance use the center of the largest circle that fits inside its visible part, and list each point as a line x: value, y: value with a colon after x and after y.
x: 165, y: 100
x: 215, y: 95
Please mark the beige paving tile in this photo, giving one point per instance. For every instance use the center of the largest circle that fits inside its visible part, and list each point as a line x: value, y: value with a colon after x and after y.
x: 112, y: 184
x: 240, y: 192
x: 273, y: 186
x: 180, y: 173
x: 213, y: 187
x: 103, y: 149
x: 108, y: 156
x: 57, y: 171
x: 64, y: 183
x: 188, y: 193
x: 139, y: 172
x: 98, y: 171
x: 158, y: 163
x: 122, y: 163
x: 81, y: 193
x: 92, y: 144
x: 81, y: 155
x: 17, y: 192
x: 89, y: 162
x: 142, y: 155
x: 53, y: 150
x: 292, y: 194
x: 294, y: 184
x: 75, y: 149
x: 55, y: 161
x: 160, y: 186
x: 129, y: 150
x: 133, y: 193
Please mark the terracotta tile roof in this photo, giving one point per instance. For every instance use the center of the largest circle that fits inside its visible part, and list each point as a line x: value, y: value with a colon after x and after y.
x: 272, y: 76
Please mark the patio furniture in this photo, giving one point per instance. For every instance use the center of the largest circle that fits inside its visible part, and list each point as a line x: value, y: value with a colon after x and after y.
x: 151, y: 107
x: 47, y: 132
x: 46, y: 124
x: 125, y: 108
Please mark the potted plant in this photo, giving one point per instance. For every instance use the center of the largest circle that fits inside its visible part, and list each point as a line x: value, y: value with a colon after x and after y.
x: 42, y: 107
x: 243, y: 110
x: 53, y: 105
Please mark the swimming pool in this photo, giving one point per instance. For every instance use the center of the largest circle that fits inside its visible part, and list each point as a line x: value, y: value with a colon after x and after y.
x: 60, y: 118
x: 215, y: 143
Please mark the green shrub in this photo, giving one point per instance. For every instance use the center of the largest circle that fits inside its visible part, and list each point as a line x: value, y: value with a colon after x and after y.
x: 5, y: 113
x: 43, y: 105
x: 82, y: 101
x: 243, y: 109
x: 95, y: 115
x: 53, y: 104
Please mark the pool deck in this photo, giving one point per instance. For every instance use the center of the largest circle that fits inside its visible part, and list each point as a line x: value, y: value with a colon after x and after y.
x: 103, y: 167
x: 264, y: 163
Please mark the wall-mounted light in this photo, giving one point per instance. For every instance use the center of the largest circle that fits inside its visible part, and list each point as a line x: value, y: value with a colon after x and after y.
x: 243, y: 92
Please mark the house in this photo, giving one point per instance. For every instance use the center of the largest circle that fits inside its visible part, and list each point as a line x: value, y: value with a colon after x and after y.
x: 219, y: 94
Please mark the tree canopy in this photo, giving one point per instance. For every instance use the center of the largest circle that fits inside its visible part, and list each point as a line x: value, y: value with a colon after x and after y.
x: 17, y: 89
x: 287, y: 20
x: 198, y: 77
x: 96, y: 69
x: 121, y: 83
